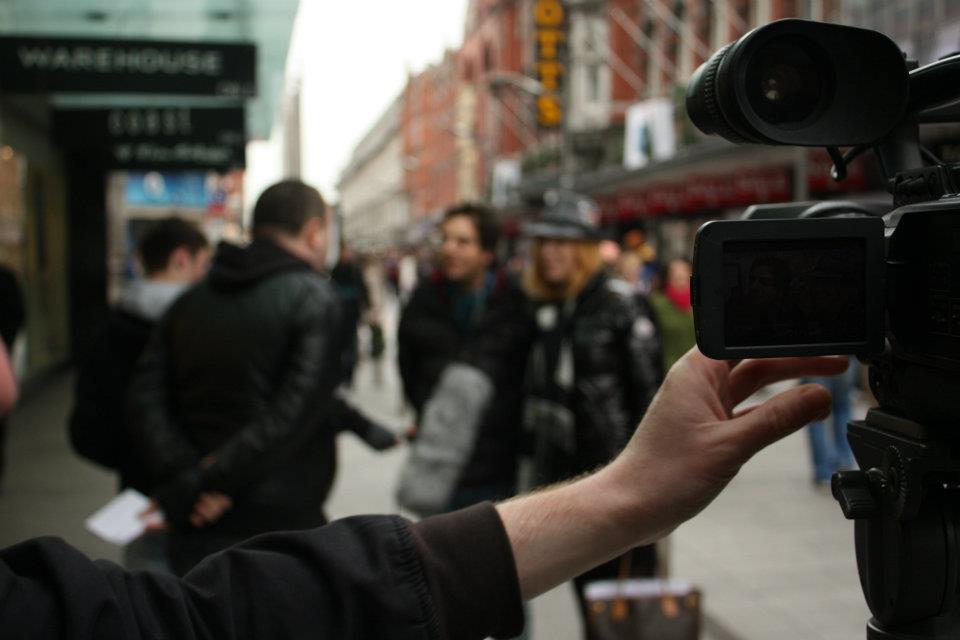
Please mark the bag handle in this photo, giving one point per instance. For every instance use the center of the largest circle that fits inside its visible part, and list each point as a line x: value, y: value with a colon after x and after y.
x: 618, y: 608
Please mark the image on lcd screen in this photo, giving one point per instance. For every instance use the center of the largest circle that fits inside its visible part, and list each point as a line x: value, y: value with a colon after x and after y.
x: 793, y: 292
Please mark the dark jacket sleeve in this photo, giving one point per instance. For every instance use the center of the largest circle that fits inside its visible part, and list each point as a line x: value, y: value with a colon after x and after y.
x: 644, y: 353
x: 427, y: 341
x: 159, y: 443
x: 364, y: 577
x: 342, y: 416
x: 410, y: 334
x: 304, y: 393
x: 96, y: 420
x: 13, y: 311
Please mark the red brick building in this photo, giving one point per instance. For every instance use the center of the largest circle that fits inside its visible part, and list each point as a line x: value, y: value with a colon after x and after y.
x: 497, y: 114
x: 475, y: 113
x: 428, y: 123
x: 465, y: 113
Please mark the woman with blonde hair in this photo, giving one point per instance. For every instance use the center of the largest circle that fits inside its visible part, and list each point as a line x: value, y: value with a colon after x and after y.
x: 595, y: 363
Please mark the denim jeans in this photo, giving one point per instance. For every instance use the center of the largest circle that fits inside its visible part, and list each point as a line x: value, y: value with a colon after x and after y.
x: 828, y: 438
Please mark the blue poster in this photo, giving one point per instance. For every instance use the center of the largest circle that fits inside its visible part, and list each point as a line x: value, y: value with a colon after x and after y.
x: 187, y: 189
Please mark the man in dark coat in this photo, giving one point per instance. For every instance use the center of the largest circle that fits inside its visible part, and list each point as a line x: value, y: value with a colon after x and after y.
x: 173, y: 254
x: 462, y: 342
x: 232, y: 407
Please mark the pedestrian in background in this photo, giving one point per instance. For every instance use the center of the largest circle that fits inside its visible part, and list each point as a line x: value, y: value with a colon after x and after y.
x: 408, y: 274
x: 595, y: 364
x: 673, y: 312
x: 12, y: 315
x: 375, y: 281
x: 173, y: 254
x: 232, y: 407
x: 462, y: 341
x: 355, y: 301
x: 829, y: 449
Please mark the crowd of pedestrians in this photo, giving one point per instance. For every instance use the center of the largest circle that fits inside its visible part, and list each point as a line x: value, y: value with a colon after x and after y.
x: 212, y: 386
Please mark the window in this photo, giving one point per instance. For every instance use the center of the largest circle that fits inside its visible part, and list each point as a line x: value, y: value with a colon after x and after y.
x: 593, y: 83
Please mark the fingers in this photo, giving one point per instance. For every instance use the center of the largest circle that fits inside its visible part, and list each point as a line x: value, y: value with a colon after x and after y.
x: 152, y: 517
x: 752, y: 375
x: 209, y: 508
x: 152, y: 508
x: 778, y: 417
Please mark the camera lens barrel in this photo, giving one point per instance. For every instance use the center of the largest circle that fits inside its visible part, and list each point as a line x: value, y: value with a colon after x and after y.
x: 797, y: 82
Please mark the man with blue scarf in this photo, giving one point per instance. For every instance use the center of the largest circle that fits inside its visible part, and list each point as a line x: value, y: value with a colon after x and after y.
x: 463, y: 341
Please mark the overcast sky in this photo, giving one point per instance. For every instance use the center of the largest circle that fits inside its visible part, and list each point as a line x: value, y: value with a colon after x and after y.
x: 355, y: 57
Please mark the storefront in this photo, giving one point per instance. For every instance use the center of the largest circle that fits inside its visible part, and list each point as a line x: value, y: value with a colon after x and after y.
x: 671, y: 200
x: 34, y: 231
x: 100, y: 134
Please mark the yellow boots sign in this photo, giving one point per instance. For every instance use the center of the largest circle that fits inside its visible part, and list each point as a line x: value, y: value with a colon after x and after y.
x: 549, y: 19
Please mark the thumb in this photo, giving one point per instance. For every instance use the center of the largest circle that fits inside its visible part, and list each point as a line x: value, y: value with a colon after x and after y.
x: 778, y: 417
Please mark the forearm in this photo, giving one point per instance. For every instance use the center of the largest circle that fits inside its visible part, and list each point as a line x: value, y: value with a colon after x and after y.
x: 560, y: 532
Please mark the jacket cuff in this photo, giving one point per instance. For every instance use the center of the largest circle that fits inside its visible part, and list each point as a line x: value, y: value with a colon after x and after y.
x: 471, y: 572
x: 177, y: 496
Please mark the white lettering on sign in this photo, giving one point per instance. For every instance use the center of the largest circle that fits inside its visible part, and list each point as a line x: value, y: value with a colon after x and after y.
x: 184, y: 153
x: 148, y: 60
x: 132, y: 123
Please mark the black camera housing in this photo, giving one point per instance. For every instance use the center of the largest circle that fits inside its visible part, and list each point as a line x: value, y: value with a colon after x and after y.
x: 804, y: 83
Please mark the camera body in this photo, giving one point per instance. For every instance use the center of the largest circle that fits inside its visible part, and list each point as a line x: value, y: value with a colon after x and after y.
x: 881, y: 282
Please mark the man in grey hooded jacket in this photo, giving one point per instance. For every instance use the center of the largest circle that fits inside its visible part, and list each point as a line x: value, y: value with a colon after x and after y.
x: 174, y: 254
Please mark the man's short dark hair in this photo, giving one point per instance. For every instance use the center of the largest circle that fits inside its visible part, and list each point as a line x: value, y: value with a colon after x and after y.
x: 164, y: 237
x: 484, y: 221
x: 285, y: 207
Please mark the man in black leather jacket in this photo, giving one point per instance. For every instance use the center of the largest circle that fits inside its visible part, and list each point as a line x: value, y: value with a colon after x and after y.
x: 232, y: 409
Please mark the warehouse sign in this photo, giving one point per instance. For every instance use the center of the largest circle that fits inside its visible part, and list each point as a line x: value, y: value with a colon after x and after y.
x: 549, y: 18
x: 59, y: 65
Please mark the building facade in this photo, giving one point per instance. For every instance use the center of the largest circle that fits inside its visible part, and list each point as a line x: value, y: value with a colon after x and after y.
x: 544, y: 92
x: 106, y: 109
x: 374, y: 206
x: 429, y: 133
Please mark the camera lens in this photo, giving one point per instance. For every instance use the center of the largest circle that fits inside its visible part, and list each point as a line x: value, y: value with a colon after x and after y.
x: 788, y: 81
x: 801, y: 83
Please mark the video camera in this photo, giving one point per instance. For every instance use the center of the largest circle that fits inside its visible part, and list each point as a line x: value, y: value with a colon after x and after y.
x: 879, y: 281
